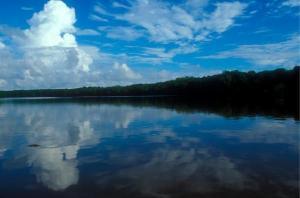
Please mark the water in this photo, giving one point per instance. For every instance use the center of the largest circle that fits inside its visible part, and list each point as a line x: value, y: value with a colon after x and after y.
x: 132, y: 148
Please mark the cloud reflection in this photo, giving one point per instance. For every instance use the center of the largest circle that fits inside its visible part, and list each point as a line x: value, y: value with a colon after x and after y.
x: 153, y: 151
x: 60, y: 134
x: 54, y: 167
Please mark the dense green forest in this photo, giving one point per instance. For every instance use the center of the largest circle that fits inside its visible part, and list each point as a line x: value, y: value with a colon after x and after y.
x: 279, y: 85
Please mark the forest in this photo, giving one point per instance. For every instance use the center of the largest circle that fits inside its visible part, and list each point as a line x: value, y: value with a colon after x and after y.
x: 280, y: 85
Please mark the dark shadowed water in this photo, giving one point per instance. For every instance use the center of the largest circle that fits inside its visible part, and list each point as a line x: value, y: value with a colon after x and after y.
x: 144, y: 148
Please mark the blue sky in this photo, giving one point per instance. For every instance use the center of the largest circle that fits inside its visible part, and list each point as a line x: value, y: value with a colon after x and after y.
x: 74, y: 43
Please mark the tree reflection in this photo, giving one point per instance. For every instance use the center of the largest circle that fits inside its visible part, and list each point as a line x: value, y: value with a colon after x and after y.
x: 145, y: 150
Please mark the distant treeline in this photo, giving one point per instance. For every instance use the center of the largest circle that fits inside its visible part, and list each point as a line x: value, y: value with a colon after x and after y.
x: 279, y: 85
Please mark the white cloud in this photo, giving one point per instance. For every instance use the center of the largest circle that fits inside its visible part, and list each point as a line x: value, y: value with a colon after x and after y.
x: 2, y: 45
x: 97, y: 18
x: 124, y: 70
x: 285, y: 53
x: 162, y: 22
x: 223, y: 17
x: 165, y: 22
x: 3, y: 83
x: 47, y: 54
x: 50, y: 50
x: 87, y: 32
x: 180, y: 24
x: 159, y: 52
x: 53, y: 37
x: 100, y: 10
x: 161, y: 55
x: 196, y: 4
x: 119, y: 5
x: 122, y: 33
x: 291, y: 3
x: 47, y: 29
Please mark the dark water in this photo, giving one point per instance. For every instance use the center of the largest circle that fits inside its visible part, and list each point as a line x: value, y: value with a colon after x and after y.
x: 96, y: 148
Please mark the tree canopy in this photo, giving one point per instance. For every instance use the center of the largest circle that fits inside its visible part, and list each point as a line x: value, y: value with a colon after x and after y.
x: 277, y: 85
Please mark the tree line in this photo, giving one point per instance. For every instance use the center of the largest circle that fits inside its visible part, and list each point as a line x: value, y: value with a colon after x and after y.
x: 279, y: 85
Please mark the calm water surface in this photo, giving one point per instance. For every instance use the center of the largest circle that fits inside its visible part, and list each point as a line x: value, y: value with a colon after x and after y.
x: 81, y: 149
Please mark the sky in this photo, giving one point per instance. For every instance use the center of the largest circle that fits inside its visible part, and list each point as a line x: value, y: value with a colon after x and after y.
x: 76, y: 43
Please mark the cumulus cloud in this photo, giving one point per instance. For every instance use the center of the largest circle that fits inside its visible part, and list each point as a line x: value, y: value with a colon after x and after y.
x: 125, y: 71
x: 47, y: 29
x: 285, y: 53
x: 52, y: 35
x: 48, y: 50
x: 47, y: 54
